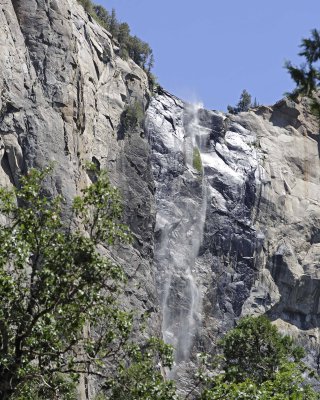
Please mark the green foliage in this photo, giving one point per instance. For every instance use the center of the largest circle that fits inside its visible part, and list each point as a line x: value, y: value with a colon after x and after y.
x: 130, y: 46
x: 152, y: 81
x: 258, y: 363
x: 100, y: 210
x: 283, y: 387
x: 54, y: 286
x: 307, y: 76
x: 255, y: 350
x: 286, y: 385
x: 197, y: 163
x: 139, y: 376
x: 255, y: 103
x: 87, y: 5
x: 60, y: 387
x: 132, y: 117
x: 59, y: 315
x: 243, y: 105
x: 140, y: 52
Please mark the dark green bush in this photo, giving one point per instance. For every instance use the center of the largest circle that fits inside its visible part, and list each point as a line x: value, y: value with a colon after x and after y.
x: 132, y: 116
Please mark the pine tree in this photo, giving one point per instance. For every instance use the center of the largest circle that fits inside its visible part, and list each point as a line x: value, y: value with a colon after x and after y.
x: 114, y: 26
x: 255, y: 103
x: 244, y: 103
x: 307, y: 76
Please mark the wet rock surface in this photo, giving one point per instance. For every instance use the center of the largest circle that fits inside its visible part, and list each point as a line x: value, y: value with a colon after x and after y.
x: 259, y: 252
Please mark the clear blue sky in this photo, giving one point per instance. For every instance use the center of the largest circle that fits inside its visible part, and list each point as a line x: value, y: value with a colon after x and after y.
x: 210, y: 50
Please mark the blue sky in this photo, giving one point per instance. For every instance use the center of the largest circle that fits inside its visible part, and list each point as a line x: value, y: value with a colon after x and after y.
x: 210, y: 50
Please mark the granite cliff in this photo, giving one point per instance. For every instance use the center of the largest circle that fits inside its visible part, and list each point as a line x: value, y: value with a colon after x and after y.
x: 224, y: 209
x: 257, y: 193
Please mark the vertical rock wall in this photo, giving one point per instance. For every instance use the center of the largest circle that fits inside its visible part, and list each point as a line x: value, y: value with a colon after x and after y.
x: 63, y: 89
x: 259, y: 251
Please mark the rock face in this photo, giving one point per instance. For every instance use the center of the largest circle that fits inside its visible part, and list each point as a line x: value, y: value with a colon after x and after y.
x: 224, y: 209
x: 63, y: 90
x: 259, y: 244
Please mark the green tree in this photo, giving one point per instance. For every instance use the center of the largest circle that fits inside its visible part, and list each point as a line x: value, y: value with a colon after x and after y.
x: 255, y: 350
x: 150, y: 63
x: 55, y: 286
x: 307, y: 76
x: 123, y: 39
x: 114, y: 25
x: 102, y: 15
x: 87, y: 5
x: 140, y: 375
x: 255, y: 104
x: 244, y: 103
x: 258, y: 363
x: 287, y: 385
x: 139, y: 51
x: 59, y: 315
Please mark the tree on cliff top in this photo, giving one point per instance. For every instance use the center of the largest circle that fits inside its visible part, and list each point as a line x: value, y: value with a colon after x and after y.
x: 243, y: 104
x: 59, y: 315
x: 307, y: 76
x: 130, y: 46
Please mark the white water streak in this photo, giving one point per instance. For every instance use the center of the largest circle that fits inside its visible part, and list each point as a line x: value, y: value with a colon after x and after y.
x: 181, y: 240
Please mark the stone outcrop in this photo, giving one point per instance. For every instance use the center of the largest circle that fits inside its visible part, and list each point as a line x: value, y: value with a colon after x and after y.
x: 236, y: 233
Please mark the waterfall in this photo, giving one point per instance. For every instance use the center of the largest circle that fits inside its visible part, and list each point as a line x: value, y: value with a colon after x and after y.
x: 198, y: 155
x: 181, y: 220
x: 182, y: 299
